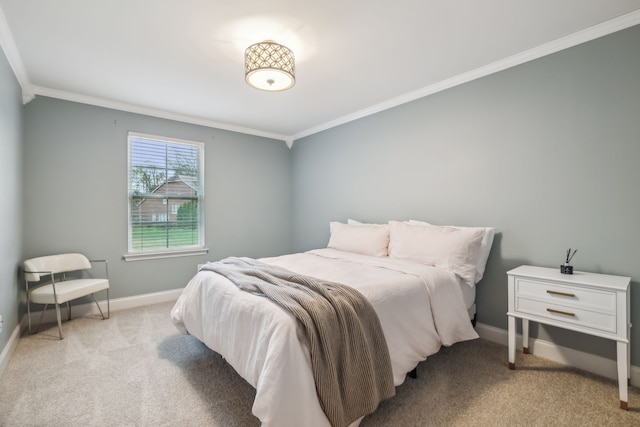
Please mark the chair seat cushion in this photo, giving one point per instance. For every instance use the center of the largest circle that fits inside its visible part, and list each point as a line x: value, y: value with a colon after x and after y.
x: 68, y: 290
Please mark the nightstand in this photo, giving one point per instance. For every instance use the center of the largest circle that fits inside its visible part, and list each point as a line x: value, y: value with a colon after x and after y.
x: 594, y: 304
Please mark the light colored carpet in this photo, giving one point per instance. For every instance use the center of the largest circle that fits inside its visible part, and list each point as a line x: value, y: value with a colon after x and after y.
x: 135, y: 369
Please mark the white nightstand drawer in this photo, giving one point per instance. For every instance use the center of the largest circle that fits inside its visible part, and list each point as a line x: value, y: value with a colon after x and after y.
x: 569, y: 295
x: 566, y: 314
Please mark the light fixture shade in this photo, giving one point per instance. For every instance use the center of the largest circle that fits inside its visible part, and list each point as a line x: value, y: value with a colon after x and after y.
x: 269, y: 66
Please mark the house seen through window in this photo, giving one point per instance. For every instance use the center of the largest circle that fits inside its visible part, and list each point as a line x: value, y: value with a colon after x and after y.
x: 166, y: 189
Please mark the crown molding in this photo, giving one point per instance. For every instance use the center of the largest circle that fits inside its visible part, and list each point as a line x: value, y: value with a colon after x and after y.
x: 588, y: 34
x: 137, y: 109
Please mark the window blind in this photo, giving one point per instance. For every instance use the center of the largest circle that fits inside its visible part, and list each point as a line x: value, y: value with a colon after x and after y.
x: 166, y: 193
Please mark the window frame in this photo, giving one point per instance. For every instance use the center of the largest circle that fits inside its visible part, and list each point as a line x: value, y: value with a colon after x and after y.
x: 172, y: 251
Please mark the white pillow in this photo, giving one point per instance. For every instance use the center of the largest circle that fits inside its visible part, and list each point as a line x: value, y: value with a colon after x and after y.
x: 446, y: 247
x: 485, y: 246
x: 365, y: 239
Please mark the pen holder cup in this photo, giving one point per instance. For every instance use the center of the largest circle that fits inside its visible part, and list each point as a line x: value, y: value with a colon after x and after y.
x: 566, y: 269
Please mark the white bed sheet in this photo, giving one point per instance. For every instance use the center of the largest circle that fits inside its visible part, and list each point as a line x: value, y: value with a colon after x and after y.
x: 420, y: 308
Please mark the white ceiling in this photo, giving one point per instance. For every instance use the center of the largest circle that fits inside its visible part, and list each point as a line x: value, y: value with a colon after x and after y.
x: 184, y: 59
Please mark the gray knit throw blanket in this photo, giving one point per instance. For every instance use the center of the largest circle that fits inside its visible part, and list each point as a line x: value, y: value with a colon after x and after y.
x: 349, y: 355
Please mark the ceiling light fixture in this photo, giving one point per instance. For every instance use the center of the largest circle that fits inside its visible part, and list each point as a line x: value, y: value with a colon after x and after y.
x: 269, y: 66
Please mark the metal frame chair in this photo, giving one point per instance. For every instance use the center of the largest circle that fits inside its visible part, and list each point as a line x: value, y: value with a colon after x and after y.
x: 50, y: 290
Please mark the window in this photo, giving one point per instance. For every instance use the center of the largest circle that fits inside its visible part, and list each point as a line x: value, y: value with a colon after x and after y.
x: 166, y: 197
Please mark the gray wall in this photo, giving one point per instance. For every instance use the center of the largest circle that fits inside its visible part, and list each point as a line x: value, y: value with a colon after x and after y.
x: 76, y: 191
x: 546, y: 152
x: 10, y: 197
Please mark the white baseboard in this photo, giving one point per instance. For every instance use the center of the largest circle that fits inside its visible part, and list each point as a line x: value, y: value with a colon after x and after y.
x: 567, y: 356
x: 85, y: 310
x: 9, y: 349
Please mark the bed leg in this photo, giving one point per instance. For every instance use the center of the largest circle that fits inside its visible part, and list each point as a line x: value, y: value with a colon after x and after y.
x: 473, y: 321
x: 413, y: 373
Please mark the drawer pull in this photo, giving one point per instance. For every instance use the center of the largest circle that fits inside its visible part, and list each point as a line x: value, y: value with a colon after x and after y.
x: 562, y: 294
x: 566, y: 313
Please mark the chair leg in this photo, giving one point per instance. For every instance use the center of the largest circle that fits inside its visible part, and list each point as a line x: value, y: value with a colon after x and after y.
x: 40, y: 320
x: 59, y: 320
x: 99, y: 309
x: 29, y: 311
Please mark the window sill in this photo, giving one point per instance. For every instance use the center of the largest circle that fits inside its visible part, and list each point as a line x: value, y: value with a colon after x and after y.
x: 143, y: 256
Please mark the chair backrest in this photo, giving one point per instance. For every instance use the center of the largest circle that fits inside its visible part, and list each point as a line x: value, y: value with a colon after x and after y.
x: 60, y: 263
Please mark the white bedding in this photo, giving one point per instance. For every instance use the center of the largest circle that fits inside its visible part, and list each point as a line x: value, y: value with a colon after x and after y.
x: 420, y: 308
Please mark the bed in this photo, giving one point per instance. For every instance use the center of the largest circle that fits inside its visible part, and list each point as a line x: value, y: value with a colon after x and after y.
x: 419, y: 278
